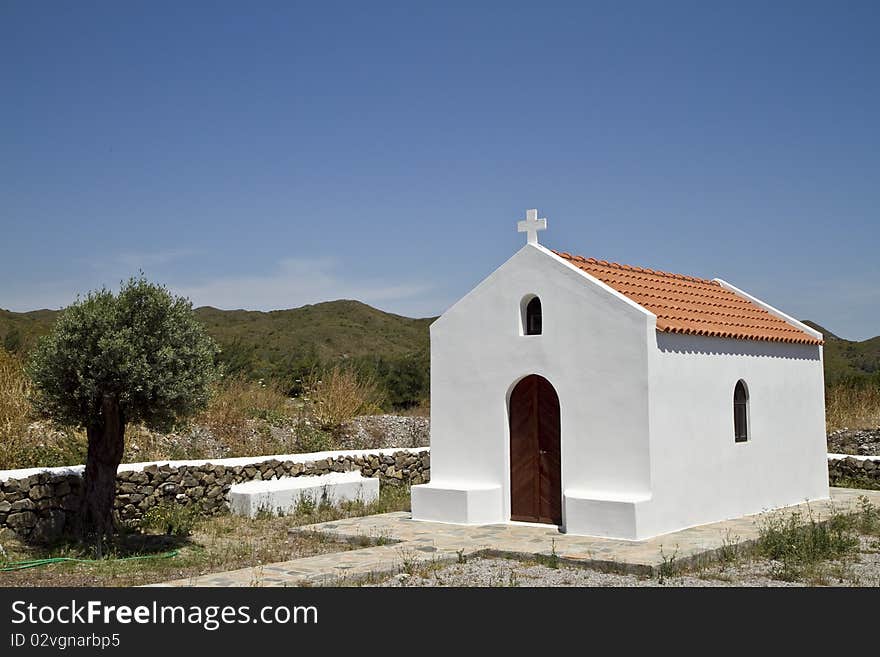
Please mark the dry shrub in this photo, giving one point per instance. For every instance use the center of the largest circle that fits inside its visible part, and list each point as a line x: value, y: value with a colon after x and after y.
x: 852, y: 407
x: 422, y: 409
x: 342, y: 394
x: 15, y: 387
x: 236, y: 402
x: 23, y: 442
x: 14, y: 409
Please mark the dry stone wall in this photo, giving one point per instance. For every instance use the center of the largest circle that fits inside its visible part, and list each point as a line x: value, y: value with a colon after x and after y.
x: 38, y: 507
x: 850, y: 471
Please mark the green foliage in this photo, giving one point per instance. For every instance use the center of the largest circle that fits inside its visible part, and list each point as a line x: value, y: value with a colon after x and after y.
x: 288, y: 345
x: 142, y: 346
x: 798, y: 543
x: 308, y: 510
x: 171, y: 519
x: 868, y: 517
x: 405, y: 379
x: 865, y: 483
x: 12, y: 340
x: 850, y: 362
x: 63, y: 447
x: 668, y: 565
x: 549, y: 560
x: 313, y: 439
x: 237, y: 359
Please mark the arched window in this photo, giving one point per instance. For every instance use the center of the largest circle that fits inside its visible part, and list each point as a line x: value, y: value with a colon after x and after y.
x: 532, y: 323
x: 740, y: 412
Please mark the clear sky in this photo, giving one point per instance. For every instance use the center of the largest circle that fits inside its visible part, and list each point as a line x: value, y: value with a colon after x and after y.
x: 267, y: 155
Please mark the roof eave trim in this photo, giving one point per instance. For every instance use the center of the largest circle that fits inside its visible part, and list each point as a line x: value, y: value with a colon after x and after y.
x: 770, y: 309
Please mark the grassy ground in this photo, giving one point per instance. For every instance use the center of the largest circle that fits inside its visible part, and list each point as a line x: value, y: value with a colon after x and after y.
x: 793, y: 549
x: 209, y: 545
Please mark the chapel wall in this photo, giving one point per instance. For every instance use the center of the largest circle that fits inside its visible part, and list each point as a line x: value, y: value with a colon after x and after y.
x: 700, y: 474
x: 593, y: 350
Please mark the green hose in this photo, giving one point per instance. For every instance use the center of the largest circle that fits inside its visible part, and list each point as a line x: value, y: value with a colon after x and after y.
x: 35, y: 563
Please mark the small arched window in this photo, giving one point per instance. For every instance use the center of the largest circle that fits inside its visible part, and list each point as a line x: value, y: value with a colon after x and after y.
x: 533, y: 322
x: 740, y: 412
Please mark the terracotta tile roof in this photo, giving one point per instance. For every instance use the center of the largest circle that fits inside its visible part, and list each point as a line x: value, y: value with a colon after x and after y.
x: 687, y: 304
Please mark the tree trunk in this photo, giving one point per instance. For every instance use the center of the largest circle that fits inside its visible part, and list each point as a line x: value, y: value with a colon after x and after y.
x: 106, y: 444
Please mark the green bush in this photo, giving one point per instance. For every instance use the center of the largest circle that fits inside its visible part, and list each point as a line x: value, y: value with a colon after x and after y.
x: 801, y: 542
x: 171, y: 519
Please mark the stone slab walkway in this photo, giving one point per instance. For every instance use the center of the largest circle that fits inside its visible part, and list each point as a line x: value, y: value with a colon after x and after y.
x: 401, y: 543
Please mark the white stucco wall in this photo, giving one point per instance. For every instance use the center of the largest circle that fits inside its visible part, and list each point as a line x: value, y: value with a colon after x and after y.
x: 699, y: 474
x: 593, y: 350
x: 646, y: 417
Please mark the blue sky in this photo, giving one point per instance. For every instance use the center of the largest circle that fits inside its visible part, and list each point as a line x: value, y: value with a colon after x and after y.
x: 267, y: 155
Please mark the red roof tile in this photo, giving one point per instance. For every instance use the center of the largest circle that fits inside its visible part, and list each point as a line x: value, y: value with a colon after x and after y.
x: 691, y: 305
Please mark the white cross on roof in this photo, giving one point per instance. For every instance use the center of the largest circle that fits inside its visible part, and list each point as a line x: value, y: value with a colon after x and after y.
x: 531, y: 225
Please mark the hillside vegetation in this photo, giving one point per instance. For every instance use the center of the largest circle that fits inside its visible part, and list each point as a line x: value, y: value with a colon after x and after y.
x: 848, y: 360
x: 288, y: 346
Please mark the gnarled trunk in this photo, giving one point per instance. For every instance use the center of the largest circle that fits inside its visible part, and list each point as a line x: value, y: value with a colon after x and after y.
x: 106, y: 444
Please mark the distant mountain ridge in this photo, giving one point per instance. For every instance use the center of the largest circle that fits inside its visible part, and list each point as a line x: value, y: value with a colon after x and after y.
x: 287, y: 343
x: 848, y: 359
x: 334, y: 329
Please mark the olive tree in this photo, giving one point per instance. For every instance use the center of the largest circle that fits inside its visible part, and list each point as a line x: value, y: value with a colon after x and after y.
x: 139, y: 356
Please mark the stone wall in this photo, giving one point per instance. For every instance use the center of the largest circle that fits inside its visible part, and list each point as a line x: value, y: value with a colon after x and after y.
x: 39, y: 506
x: 851, y: 471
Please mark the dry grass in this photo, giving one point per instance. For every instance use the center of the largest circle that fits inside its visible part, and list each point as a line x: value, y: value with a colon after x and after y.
x: 14, y: 390
x: 340, y: 395
x: 852, y: 407
x: 243, y: 418
x: 14, y: 408
x: 422, y: 409
x: 24, y: 444
x: 217, y: 544
x: 235, y: 401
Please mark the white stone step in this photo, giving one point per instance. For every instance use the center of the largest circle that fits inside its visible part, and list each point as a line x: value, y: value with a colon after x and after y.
x: 281, y: 496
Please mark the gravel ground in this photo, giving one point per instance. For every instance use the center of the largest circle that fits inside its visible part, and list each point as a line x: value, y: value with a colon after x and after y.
x: 744, y: 573
x: 375, y: 431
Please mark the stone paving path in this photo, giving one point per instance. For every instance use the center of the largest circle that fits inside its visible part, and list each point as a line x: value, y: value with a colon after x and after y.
x: 399, y: 544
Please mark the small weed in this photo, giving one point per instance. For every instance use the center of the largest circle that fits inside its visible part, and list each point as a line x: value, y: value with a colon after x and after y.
x: 729, y: 552
x: 798, y: 543
x: 668, y: 566
x: 549, y: 560
x: 868, y: 517
x: 461, y: 556
x: 305, y: 506
x: 408, y: 562
x: 265, y: 513
x: 172, y: 519
x: 257, y: 580
x: 412, y: 565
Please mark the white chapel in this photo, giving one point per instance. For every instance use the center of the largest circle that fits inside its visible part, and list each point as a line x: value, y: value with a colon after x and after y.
x: 618, y: 401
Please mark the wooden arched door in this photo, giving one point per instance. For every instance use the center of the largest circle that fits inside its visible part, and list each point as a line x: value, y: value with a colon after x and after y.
x: 535, y: 452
